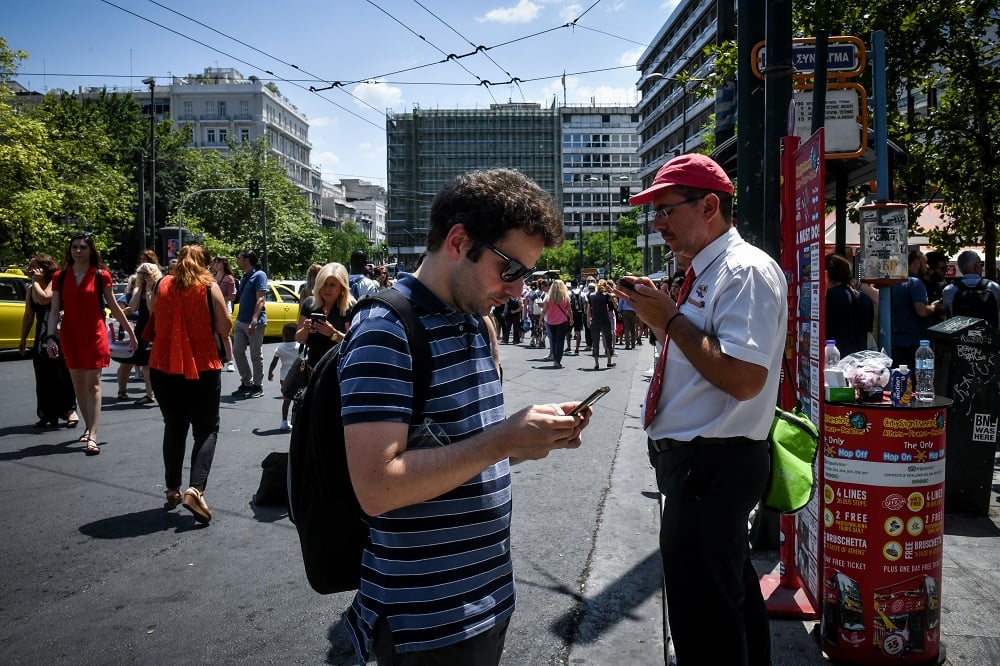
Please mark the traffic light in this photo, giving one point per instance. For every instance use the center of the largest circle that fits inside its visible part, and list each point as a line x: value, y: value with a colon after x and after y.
x: 254, y: 187
x: 623, y: 194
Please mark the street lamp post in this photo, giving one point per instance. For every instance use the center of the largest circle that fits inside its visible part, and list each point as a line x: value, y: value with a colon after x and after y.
x: 151, y: 82
x: 611, y: 215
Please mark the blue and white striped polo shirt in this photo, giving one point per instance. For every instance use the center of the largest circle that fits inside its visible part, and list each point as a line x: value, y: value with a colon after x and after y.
x: 439, y: 571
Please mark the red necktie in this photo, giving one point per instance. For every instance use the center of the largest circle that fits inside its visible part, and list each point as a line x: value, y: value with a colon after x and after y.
x: 656, y: 383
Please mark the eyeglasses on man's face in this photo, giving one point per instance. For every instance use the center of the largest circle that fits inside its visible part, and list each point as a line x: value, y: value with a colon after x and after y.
x: 513, y: 270
x: 664, y: 211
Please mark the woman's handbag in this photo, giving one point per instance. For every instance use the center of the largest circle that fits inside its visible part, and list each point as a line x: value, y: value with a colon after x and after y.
x: 118, y: 344
x: 297, y: 377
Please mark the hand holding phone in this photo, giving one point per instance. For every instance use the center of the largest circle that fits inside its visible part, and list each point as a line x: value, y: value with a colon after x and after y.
x: 625, y: 285
x: 590, y: 400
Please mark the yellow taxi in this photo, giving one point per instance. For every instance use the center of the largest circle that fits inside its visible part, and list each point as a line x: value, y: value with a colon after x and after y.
x: 14, y: 287
x: 281, y: 305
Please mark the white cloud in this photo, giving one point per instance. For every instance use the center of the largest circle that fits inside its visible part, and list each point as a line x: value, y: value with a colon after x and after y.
x: 524, y: 12
x: 570, y: 11
x: 629, y: 58
x: 327, y: 158
x: 321, y: 121
x: 580, y: 94
x: 379, y: 94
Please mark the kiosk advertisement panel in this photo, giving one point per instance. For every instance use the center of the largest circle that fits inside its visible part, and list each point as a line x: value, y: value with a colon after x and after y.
x: 883, y: 518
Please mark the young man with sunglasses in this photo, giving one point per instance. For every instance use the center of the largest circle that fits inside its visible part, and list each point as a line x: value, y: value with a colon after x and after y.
x: 709, y: 409
x: 437, y: 581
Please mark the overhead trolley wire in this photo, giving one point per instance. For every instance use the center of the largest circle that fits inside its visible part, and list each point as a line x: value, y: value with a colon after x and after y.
x: 238, y: 59
x: 448, y: 56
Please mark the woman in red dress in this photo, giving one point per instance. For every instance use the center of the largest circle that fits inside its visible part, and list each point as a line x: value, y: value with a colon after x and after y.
x: 83, y: 335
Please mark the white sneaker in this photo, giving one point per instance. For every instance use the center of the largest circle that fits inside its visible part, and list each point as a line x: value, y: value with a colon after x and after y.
x: 229, y: 367
x: 285, y: 427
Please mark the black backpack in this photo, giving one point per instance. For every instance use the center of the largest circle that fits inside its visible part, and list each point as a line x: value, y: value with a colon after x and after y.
x: 975, y: 301
x: 576, y: 302
x: 333, y: 530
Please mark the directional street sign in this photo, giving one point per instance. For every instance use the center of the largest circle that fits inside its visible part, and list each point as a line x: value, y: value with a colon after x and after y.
x: 846, y: 57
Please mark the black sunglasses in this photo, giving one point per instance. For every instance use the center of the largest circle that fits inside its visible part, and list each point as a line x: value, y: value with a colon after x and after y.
x: 513, y: 270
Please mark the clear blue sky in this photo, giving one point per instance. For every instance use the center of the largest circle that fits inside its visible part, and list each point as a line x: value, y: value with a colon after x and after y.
x: 117, y: 43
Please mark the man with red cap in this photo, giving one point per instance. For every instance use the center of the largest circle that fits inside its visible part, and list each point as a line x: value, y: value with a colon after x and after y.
x: 709, y: 408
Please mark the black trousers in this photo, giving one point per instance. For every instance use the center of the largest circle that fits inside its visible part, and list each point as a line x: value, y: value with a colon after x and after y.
x: 715, y: 607
x: 187, y: 403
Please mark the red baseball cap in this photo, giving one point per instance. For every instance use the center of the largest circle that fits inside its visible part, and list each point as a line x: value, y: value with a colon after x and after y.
x: 691, y: 170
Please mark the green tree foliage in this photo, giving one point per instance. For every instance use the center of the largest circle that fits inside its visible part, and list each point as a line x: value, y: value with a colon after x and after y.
x: 233, y: 221
x: 950, y: 50
x: 341, y: 242
x: 626, y: 256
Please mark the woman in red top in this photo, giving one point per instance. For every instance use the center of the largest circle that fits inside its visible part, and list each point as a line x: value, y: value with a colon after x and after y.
x: 185, y: 370
x: 83, y: 334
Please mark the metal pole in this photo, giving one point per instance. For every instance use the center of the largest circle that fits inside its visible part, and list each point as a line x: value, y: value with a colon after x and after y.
x: 142, y: 201
x: 684, y: 117
x: 579, y: 241
x: 645, y: 240
x: 611, y: 216
x: 263, y: 221
x: 151, y: 82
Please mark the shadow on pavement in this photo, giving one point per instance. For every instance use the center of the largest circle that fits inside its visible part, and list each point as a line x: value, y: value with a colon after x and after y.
x: 268, y: 514
x: 593, y: 617
x: 341, y: 648
x: 71, y: 446
x: 140, y: 523
x: 969, y: 526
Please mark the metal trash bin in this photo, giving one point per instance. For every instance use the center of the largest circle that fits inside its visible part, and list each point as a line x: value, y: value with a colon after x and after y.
x: 967, y: 360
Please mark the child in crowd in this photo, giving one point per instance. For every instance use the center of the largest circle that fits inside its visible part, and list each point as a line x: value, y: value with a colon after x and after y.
x: 287, y: 352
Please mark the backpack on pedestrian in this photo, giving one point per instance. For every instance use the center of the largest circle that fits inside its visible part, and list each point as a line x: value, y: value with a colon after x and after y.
x: 576, y: 305
x: 976, y: 301
x: 333, y: 530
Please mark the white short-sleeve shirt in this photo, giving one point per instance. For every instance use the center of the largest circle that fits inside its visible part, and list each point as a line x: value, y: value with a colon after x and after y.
x: 739, y: 296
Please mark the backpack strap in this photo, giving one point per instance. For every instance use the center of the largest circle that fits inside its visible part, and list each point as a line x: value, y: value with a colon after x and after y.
x: 416, y: 335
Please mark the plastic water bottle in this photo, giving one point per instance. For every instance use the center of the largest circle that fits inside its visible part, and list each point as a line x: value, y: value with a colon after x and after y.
x: 831, y: 354
x: 924, y: 372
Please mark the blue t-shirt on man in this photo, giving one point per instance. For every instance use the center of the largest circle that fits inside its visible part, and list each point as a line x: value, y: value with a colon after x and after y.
x: 252, y: 282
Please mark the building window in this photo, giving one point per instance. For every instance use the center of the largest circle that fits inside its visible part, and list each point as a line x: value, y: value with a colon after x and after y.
x: 244, y: 135
x: 209, y: 109
x: 244, y: 108
x: 223, y: 135
x: 188, y: 108
x: 222, y: 109
x: 210, y: 136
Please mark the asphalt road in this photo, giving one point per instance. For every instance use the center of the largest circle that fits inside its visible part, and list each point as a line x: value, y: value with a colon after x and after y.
x: 97, y: 572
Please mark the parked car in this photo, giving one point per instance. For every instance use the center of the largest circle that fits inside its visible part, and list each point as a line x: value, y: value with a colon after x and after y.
x: 13, y: 289
x: 294, y: 285
x: 281, y: 305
